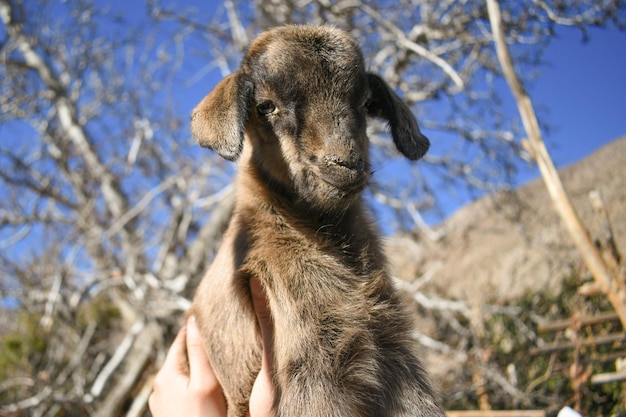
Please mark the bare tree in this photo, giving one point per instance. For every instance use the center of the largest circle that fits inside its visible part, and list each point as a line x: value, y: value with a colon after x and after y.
x: 105, y: 207
x: 109, y: 214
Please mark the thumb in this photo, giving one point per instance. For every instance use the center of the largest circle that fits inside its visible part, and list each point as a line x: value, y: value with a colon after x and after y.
x: 263, y: 313
x: 263, y: 394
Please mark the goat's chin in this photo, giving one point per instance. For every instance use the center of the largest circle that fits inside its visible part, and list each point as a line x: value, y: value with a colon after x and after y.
x: 318, y: 194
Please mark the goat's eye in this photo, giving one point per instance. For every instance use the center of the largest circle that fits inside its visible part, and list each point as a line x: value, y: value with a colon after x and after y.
x: 266, y: 108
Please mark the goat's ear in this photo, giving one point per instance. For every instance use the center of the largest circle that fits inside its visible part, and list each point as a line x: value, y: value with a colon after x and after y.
x: 386, y: 104
x: 219, y: 121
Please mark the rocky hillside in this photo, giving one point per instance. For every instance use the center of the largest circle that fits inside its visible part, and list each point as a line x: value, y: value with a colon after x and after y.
x: 495, y: 248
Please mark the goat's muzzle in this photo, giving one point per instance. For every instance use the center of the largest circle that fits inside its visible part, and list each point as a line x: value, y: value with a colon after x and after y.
x: 348, y: 173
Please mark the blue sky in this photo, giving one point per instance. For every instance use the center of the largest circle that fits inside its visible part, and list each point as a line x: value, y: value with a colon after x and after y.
x: 584, y: 90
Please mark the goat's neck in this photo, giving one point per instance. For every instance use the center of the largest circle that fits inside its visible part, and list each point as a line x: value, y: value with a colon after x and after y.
x: 349, y: 234
x: 256, y: 194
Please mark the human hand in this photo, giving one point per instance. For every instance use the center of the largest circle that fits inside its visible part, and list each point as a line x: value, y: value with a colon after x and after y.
x: 193, y: 394
x: 198, y: 394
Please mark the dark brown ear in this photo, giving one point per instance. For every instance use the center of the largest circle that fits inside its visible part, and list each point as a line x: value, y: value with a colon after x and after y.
x: 219, y: 121
x: 385, y: 103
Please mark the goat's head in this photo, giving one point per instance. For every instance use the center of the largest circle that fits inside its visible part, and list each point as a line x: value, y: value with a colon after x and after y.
x: 302, y: 96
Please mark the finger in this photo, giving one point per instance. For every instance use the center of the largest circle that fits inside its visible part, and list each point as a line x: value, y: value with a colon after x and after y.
x: 203, y: 384
x: 175, y: 359
x: 200, y: 371
x: 262, y: 396
x: 264, y: 316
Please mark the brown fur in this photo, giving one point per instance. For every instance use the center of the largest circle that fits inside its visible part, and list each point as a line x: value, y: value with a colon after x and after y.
x: 343, y: 343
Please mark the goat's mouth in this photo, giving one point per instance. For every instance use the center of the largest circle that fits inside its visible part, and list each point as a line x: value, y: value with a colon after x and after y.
x: 350, y: 177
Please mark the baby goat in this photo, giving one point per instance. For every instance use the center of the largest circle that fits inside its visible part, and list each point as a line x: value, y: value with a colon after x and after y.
x: 294, y: 113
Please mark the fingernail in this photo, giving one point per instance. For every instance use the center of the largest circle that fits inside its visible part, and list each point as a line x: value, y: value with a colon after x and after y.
x: 256, y: 288
x: 192, y: 325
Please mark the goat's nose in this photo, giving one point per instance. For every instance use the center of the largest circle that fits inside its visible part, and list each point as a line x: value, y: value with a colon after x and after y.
x: 353, y: 160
